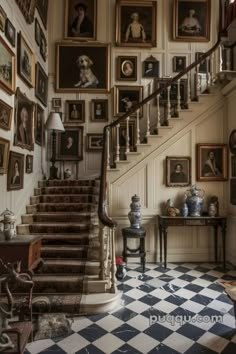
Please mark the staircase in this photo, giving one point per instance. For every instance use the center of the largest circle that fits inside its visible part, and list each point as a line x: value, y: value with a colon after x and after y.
x: 64, y: 213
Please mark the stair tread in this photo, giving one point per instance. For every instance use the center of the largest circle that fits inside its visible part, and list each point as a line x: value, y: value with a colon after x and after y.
x: 71, y: 261
x: 63, y: 247
x: 57, y: 278
x: 64, y: 236
x: 62, y: 223
x: 81, y: 213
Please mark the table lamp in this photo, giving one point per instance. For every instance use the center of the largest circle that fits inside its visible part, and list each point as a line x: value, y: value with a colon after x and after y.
x: 54, y: 123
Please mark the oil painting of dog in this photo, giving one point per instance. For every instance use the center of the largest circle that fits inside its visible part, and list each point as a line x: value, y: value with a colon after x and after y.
x: 82, y: 67
x: 126, y: 97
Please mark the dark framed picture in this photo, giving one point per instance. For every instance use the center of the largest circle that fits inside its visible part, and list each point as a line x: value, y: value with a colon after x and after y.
x: 233, y: 191
x: 81, y: 19
x: 70, y: 144
x: 179, y: 64
x: 10, y: 32
x: 39, y: 124
x: 15, y: 174
x: 24, y: 121
x: 8, y: 68
x: 173, y: 91
x: 192, y: 20
x: 5, y: 115
x: 126, y: 97
x: 28, y: 9
x: 232, y: 142
x: 178, y: 171
x: 233, y: 166
x: 75, y: 111
x: 25, y: 61
x: 4, y: 155
x: 99, y: 110
x: 94, y: 142
x: 89, y: 67
x: 3, y: 17
x: 29, y: 163
x: 43, y: 45
x: 202, y: 68
x: 42, y: 7
x: 151, y: 67
x: 37, y: 31
x: 126, y: 68
x: 136, y: 23
x: 41, y: 84
x: 56, y: 103
x: 212, y: 162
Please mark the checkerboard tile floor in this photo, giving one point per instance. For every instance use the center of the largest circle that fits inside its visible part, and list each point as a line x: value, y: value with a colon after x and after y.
x: 180, y: 309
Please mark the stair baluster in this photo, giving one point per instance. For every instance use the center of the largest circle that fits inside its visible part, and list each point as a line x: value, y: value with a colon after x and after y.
x: 117, y: 143
x: 127, y: 135
x: 108, y: 149
x: 102, y: 275
x: 138, y: 129
x: 188, y: 89
x: 148, y: 119
x: 212, y: 57
x: 158, y: 112
x: 168, y: 105
x: 196, y: 83
x: 207, y: 90
x: 178, y: 98
x: 113, y: 262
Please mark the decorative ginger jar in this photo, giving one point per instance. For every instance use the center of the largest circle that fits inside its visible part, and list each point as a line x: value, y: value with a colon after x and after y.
x: 184, y: 210
x: 212, y: 210
x: 135, y: 214
x: 194, y: 200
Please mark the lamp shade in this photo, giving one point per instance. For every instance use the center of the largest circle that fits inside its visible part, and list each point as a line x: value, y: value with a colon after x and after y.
x: 54, y: 122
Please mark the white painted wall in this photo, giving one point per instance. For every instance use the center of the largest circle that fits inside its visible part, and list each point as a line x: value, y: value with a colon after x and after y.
x: 16, y: 200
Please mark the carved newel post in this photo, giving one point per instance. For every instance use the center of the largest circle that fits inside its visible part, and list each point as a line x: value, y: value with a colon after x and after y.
x: 135, y: 214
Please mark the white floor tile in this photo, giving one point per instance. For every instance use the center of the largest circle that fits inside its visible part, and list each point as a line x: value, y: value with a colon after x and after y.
x: 160, y: 293
x: 195, y: 273
x: 140, y: 322
x: 80, y: 323
x: 192, y: 306
x: 39, y: 345
x: 213, y: 342
x: 108, y: 343
x: 73, y: 343
x: 189, y: 265
x: 220, y: 306
x: 202, y: 282
x: 137, y: 306
x: 109, y: 323
x: 173, y: 273
x: 135, y: 293
x: 178, y: 342
x: 133, y: 274
x: 185, y: 293
x: 156, y: 283
x: 153, y: 273
x: 165, y: 306
x: 143, y: 343
x: 209, y: 293
x: 179, y: 282
x: 134, y: 283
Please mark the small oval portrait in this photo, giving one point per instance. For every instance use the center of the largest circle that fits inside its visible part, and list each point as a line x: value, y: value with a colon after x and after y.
x: 232, y: 142
x: 127, y: 68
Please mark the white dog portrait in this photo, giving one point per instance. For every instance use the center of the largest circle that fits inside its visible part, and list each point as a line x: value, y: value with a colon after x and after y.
x: 86, y: 75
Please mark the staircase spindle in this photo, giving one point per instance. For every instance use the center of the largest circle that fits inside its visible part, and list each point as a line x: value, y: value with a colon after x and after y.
x: 196, y: 83
x: 178, y: 98
x: 148, y: 119
x: 127, y: 135
x: 207, y: 76
x: 113, y: 262
x: 158, y: 112
x: 212, y: 69
x: 221, y: 57
x: 168, y: 104
x: 102, y: 275
x: 188, y: 89
x: 108, y: 149
x: 138, y: 128
x: 118, y: 143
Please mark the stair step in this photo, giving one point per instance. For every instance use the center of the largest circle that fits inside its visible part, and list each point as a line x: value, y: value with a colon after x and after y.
x: 82, y: 238
x: 66, y: 190
x: 64, y: 251
x: 69, y: 183
x: 70, y: 266
x: 58, y: 227
x: 57, y: 217
x: 58, y: 283
x: 61, y: 207
x: 69, y: 198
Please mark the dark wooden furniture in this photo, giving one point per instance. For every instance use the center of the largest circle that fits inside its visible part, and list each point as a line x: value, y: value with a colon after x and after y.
x: 133, y: 233
x: 24, y: 248
x: 215, y: 222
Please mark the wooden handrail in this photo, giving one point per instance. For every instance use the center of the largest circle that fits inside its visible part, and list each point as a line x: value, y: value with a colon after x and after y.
x: 102, y: 212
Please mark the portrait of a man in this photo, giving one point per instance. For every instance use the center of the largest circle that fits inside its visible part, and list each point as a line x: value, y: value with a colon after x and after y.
x: 15, y: 175
x: 70, y: 144
x: 29, y: 164
x: 23, y: 132
x: 178, y: 171
x: 151, y: 68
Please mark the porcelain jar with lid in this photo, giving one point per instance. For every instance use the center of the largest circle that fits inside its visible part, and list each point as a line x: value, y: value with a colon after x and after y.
x: 194, y: 200
x: 135, y: 214
x: 8, y: 221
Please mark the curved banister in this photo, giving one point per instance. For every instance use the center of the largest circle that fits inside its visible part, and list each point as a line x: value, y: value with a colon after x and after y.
x: 102, y: 212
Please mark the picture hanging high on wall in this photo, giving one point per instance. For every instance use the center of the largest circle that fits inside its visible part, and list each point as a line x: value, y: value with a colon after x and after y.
x: 42, y: 7
x: 5, y: 115
x: 25, y: 61
x: 41, y: 84
x: 7, y: 68
x: 4, y: 154
x: 15, y: 174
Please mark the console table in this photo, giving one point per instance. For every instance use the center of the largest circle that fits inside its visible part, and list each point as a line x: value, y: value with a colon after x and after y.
x: 215, y: 222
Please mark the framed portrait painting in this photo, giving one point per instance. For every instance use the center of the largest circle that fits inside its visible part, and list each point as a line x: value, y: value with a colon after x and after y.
x: 89, y: 67
x: 126, y: 68
x: 126, y: 97
x: 29, y: 163
x: 94, y: 142
x: 25, y: 61
x: 8, y: 68
x: 212, y: 162
x: 136, y: 23
x: 75, y: 111
x: 5, y: 115
x: 233, y: 191
x: 77, y: 29
x: 28, y: 9
x: 37, y: 31
x: 24, y: 121
x: 3, y: 17
x: 233, y: 166
x: 4, y: 155
x: 192, y: 20
x: 38, y: 125
x: 178, y: 171
x: 41, y: 84
x: 70, y: 144
x: 56, y: 103
x: 15, y: 174
x: 43, y: 45
x: 42, y: 7
x: 179, y: 64
x: 151, y: 67
x: 99, y: 110
x: 232, y: 142
x: 10, y: 32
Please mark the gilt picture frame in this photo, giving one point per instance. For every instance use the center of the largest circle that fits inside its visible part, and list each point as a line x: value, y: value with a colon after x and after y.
x: 179, y: 63
x: 4, y: 155
x: 25, y: 61
x: 5, y: 115
x: 39, y: 125
x: 41, y: 84
x: 126, y: 68
x: 192, y: 20
x: 42, y: 7
x: 3, y: 17
x: 15, y: 174
x: 7, y: 68
x: 28, y: 9
x: 178, y: 171
x: 10, y: 32
x: 94, y: 142
x: 75, y: 111
x: 131, y: 13
x: 99, y: 110
x: 126, y: 97
x: 29, y: 159
x: 70, y: 144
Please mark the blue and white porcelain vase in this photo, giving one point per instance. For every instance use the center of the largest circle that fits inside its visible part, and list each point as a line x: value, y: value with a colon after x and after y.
x: 135, y: 214
x: 184, y: 210
x: 194, y: 200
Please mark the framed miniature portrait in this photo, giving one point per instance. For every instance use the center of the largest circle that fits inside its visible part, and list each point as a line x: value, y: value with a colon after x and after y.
x: 39, y: 124
x: 78, y: 29
x: 99, y: 110
x: 43, y: 45
x: 151, y: 67
x: 233, y: 191
x: 29, y: 163
x: 126, y: 68
x: 75, y: 111
x: 126, y: 97
x: 178, y: 171
x: 192, y: 20
x: 25, y: 61
x: 5, y: 115
x: 4, y: 155
x: 89, y: 67
x: 232, y: 142
x: 233, y: 166
x: 42, y: 7
x: 56, y: 103
x: 37, y: 31
x: 28, y: 9
x: 8, y: 68
x: 3, y: 17
x: 70, y: 144
x: 24, y: 121
x: 179, y: 64
x: 41, y: 84
x: 94, y: 142
x: 212, y: 162
x: 15, y: 174
x: 10, y: 32
x: 136, y: 23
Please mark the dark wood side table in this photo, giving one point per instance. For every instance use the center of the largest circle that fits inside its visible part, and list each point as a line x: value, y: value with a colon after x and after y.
x: 215, y: 222
x: 24, y: 248
x: 131, y: 232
